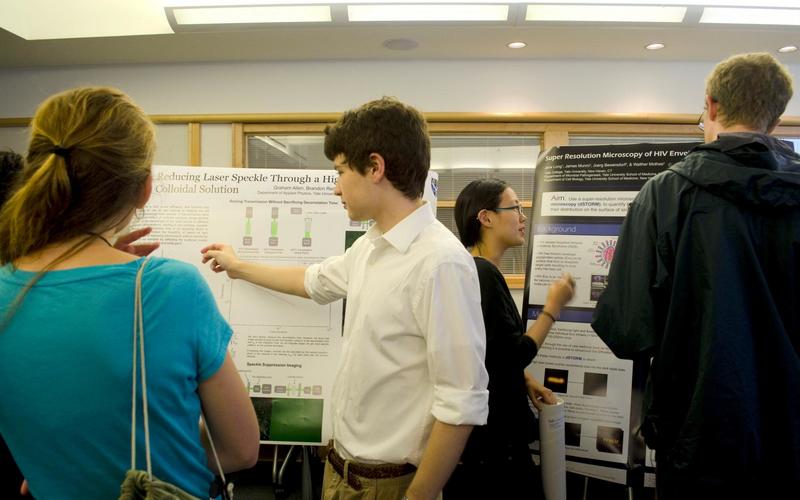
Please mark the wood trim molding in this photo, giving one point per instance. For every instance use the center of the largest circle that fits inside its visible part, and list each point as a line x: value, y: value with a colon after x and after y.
x: 283, y: 128
x: 515, y: 281
x: 452, y: 203
x: 787, y: 131
x: 324, y: 118
x: 562, y: 117
x: 239, y: 149
x: 249, y: 118
x: 14, y: 122
x: 433, y: 118
x: 553, y: 138
x: 195, y: 135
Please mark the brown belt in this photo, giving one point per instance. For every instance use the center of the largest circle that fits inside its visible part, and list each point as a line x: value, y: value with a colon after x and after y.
x: 356, y: 470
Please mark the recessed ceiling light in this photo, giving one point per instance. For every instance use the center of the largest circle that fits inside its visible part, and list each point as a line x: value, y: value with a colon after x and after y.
x: 699, y: 3
x: 655, y: 46
x: 788, y: 48
x: 517, y: 45
x: 776, y: 17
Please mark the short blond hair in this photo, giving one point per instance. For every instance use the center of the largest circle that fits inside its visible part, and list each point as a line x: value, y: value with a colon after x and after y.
x: 751, y: 89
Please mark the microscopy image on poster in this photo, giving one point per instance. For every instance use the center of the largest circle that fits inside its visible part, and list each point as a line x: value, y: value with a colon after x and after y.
x: 572, y: 434
x: 556, y: 380
x: 595, y: 384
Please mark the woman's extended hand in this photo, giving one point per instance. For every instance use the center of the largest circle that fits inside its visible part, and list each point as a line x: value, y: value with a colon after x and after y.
x: 560, y: 292
x: 126, y: 243
x: 539, y: 394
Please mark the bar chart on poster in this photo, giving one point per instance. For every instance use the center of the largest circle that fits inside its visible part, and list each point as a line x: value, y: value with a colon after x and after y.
x: 581, y: 198
x: 286, y: 348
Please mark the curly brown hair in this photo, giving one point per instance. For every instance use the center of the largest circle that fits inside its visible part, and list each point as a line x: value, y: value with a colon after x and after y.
x: 394, y: 130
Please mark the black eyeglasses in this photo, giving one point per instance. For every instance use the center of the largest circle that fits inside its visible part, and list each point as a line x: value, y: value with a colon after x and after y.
x: 701, y: 121
x: 516, y: 208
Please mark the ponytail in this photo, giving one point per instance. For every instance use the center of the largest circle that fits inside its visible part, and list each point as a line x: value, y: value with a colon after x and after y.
x: 89, y: 157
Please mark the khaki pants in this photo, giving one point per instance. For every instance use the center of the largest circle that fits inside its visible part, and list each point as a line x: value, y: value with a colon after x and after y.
x: 334, y: 487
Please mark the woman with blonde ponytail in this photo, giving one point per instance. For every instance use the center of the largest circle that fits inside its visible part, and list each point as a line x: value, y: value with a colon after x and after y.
x: 66, y: 306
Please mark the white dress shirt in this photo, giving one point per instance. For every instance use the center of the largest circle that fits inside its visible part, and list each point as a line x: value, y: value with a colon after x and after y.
x: 414, y: 341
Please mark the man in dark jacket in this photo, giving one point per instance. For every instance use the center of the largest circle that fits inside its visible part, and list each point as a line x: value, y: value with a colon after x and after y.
x: 706, y: 281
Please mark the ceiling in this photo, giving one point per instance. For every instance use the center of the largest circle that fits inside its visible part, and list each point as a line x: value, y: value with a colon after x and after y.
x: 684, y: 42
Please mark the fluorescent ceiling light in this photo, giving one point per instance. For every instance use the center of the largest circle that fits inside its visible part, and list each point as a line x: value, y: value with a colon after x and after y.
x: 707, y: 3
x: 427, y: 12
x: 655, y: 46
x: 787, y: 49
x: 605, y: 13
x: 49, y: 19
x: 785, y: 17
x: 241, y: 3
x: 701, y: 3
x: 254, y: 15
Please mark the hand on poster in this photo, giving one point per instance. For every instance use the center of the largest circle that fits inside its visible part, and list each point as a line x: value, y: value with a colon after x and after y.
x: 221, y: 256
x: 538, y: 393
x: 126, y: 242
x: 560, y: 292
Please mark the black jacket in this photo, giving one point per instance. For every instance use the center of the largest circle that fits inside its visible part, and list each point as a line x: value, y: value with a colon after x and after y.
x: 706, y: 280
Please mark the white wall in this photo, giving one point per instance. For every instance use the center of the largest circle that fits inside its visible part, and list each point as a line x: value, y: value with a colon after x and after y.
x: 466, y: 86
x: 297, y: 87
x: 13, y: 138
x: 172, y: 141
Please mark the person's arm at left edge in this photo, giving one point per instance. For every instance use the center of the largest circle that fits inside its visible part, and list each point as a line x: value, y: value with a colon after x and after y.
x: 456, y: 346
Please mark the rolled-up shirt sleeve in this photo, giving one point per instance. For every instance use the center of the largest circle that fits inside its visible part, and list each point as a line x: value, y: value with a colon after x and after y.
x: 327, y: 281
x: 449, y: 311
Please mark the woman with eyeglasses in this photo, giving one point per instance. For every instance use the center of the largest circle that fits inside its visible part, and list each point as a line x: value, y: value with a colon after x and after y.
x: 496, y: 462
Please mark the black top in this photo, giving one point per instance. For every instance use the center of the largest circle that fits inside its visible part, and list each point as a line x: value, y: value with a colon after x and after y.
x: 706, y: 279
x: 508, y: 352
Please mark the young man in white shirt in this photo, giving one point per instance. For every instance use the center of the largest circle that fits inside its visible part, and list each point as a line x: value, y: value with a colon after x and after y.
x: 411, y: 382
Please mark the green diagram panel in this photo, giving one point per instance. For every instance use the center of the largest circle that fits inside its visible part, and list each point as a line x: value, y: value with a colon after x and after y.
x: 289, y: 420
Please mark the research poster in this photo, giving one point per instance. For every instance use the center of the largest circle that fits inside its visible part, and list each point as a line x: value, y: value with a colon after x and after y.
x: 286, y: 348
x: 581, y: 196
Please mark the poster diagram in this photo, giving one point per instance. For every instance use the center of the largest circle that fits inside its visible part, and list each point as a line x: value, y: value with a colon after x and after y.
x: 581, y: 197
x: 285, y: 347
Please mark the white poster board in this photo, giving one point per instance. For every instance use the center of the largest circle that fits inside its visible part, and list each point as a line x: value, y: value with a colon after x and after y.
x: 285, y: 347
